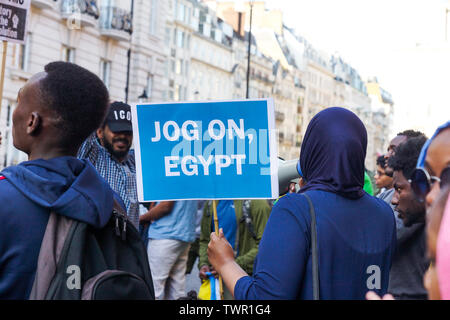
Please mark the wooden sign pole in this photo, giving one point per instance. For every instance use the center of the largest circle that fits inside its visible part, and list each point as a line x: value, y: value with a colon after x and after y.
x: 2, y: 79
x: 216, y: 227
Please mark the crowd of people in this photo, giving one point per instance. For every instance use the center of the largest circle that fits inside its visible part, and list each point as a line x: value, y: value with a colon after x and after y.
x: 331, y: 239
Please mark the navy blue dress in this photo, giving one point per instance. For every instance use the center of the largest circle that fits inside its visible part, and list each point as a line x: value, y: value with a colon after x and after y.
x: 356, y: 241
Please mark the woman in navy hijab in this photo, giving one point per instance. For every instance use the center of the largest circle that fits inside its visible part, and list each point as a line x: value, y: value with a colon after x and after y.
x: 355, y: 231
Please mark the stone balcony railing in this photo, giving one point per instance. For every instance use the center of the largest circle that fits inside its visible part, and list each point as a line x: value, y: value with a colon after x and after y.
x: 44, y: 4
x: 279, y: 116
x: 262, y: 78
x: 86, y: 12
x: 116, y: 23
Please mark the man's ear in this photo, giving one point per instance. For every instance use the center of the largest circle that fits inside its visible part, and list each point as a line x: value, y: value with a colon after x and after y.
x: 34, y: 124
x: 100, y: 133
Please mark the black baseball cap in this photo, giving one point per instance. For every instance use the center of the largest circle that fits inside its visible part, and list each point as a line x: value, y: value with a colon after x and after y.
x: 119, y: 117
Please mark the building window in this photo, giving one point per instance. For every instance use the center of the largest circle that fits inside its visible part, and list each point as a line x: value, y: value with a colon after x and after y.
x: 180, y: 38
x: 149, y: 87
x: 181, y: 12
x: 68, y: 54
x: 186, y: 68
x: 176, y: 95
x: 21, y: 54
x: 180, y: 93
x: 105, y: 72
x: 188, y: 16
x: 166, y: 68
x: 167, y: 36
x: 153, y: 16
x: 178, y: 66
x: 188, y: 42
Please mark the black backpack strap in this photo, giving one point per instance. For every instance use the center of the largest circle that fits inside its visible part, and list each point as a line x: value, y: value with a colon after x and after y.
x: 53, y: 247
x: 118, y: 207
x: 314, y: 251
x: 120, y: 215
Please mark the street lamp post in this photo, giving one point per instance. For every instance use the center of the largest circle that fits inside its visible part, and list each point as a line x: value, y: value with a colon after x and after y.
x: 249, y: 49
x: 446, y: 22
x: 127, y: 88
x: 143, y: 97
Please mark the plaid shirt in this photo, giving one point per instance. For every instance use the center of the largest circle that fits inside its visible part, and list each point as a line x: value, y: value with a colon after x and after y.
x: 120, y: 176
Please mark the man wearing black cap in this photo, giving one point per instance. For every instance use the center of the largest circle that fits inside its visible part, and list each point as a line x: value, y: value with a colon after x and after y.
x: 116, y: 135
x: 109, y: 151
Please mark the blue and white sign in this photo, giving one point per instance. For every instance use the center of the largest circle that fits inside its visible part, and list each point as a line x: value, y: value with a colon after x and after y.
x: 206, y: 150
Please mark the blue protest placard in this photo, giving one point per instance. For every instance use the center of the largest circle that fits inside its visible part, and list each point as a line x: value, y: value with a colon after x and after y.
x: 205, y: 150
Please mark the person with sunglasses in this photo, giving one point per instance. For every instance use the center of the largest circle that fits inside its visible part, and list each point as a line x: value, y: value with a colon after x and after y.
x: 433, y: 167
x: 409, y: 263
x: 437, y: 278
x: 428, y: 182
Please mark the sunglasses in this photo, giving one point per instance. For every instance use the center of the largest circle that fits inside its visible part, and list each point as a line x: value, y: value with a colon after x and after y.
x: 422, y: 182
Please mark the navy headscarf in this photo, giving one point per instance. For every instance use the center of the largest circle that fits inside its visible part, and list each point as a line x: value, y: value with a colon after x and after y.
x: 333, y: 153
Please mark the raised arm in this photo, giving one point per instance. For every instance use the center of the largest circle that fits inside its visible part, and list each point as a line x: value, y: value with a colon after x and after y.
x: 280, y: 263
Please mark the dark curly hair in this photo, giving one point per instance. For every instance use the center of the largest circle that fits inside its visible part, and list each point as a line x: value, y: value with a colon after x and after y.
x: 406, y: 155
x: 381, y: 161
x: 78, y: 97
x: 410, y: 134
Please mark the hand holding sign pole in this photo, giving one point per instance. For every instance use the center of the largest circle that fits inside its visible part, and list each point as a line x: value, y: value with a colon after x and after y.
x: 216, y: 228
x: 216, y: 150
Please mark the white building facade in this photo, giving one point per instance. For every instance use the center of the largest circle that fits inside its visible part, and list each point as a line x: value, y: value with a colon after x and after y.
x: 96, y: 36
x: 148, y: 57
x: 211, y: 58
x: 182, y: 50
